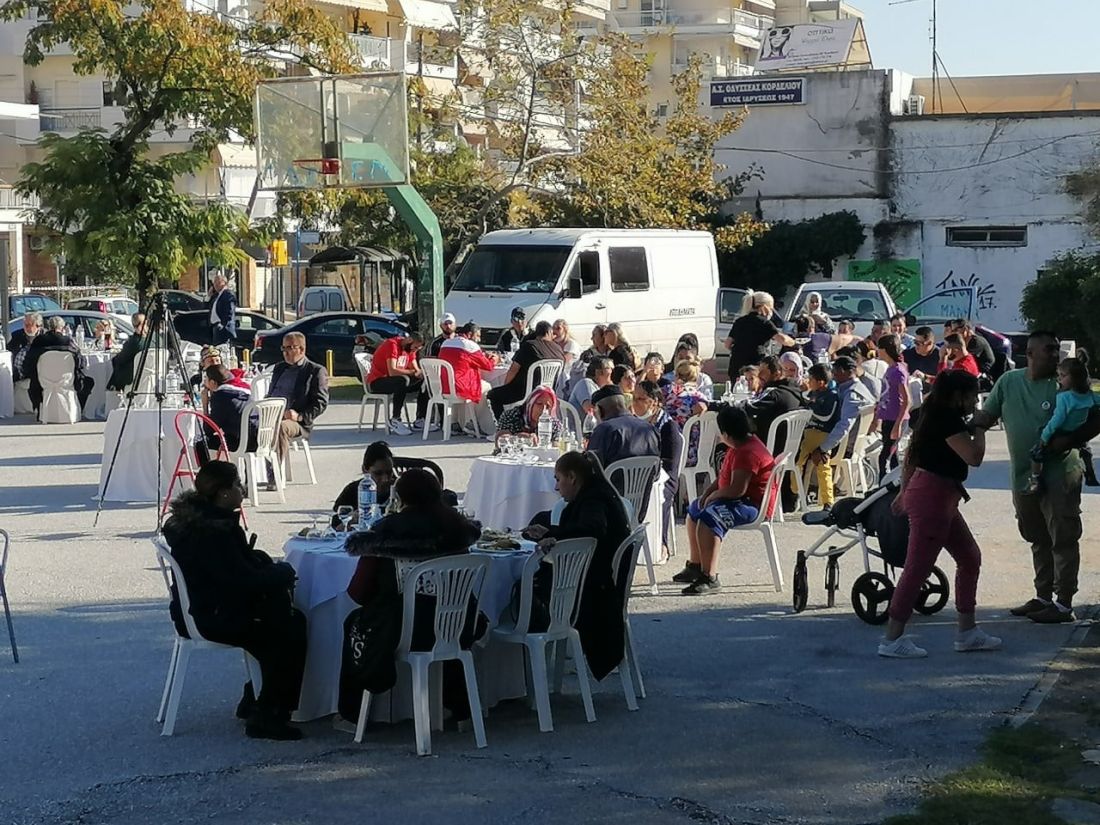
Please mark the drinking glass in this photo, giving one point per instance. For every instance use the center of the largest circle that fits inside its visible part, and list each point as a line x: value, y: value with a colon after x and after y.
x: 344, y: 514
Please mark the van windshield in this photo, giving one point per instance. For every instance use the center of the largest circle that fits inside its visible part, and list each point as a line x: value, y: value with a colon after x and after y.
x: 512, y: 269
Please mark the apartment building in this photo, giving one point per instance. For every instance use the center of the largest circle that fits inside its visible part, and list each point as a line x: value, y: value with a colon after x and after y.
x: 793, y: 12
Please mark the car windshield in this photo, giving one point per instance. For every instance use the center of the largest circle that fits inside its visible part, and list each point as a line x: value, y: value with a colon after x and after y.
x: 512, y: 269
x: 853, y: 305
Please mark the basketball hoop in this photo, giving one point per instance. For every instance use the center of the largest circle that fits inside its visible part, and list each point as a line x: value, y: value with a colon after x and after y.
x: 325, y: 167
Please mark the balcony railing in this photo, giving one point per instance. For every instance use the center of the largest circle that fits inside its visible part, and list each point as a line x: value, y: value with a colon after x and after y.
x: 743, y: 22
x: 717, y: 69
x: 388, y: 53
x: 69, y: 120
x: 10, y: 199
x: 375, y: 52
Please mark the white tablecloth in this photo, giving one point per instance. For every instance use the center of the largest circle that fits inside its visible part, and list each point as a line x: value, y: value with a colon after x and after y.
x: 7, y: 386
x: 98, y: 368
x: 506, y: 495
x: 495, y: 376
x: 324, y: 571
x: 134, y: 477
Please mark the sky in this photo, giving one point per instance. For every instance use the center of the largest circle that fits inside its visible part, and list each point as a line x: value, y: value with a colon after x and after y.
x: 985, y: 37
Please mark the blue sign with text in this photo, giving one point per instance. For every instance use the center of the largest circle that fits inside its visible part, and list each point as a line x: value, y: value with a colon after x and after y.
x: 758, y: 91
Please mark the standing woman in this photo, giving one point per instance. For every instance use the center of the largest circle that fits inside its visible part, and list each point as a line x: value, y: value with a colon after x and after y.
x: 752, y: 331
x: 892, y: 410
x: 943, y: 449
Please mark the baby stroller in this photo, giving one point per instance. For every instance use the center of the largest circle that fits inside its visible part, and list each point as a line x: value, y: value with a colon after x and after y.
x: 853, y: 521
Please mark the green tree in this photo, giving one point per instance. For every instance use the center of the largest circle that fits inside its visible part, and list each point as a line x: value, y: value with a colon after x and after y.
x: 108, y: 201
x: 1064, y: 299
x: 1085, y: 186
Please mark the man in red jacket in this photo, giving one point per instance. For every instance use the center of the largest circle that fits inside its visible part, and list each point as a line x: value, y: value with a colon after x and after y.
x: 468, y: 360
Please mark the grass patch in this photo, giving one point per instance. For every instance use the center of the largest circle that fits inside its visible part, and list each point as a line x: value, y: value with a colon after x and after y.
x: 1021, y: 771
x: 345, y: 388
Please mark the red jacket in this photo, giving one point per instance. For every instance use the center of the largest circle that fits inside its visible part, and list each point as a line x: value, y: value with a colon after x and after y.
x: 467, y: 360
x: 967, y: 364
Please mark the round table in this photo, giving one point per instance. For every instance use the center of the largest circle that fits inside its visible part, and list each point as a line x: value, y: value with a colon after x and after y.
x: 134, y: 477
x: 7, y: 386
x: 98, y: 368
x: 496, y: 375
x: 324, y: 571
x: 505, y: 494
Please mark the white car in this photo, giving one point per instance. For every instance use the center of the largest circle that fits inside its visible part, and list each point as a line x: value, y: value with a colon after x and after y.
x: 117, y: 306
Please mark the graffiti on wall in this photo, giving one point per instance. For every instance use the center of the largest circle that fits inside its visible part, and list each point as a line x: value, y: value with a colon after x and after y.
x: 901, y: 278
x: 986, y: 292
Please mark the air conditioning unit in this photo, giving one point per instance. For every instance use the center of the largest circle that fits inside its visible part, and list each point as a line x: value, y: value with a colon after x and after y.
x: 915, y: 105
x: 37, y: 243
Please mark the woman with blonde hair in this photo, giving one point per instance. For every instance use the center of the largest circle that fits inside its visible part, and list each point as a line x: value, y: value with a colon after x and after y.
x: 754, y: 331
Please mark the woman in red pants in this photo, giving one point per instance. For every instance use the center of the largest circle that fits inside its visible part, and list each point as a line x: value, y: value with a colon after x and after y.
x: 943, y: 449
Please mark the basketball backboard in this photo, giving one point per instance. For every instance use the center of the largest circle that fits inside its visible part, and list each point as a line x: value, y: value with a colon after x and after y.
x: 349, y: 131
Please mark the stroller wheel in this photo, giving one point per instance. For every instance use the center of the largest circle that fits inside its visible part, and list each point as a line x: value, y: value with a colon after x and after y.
x: 934, y: 592
x: 801, y: 583
x: 832, y: 579
x: 871, y: 595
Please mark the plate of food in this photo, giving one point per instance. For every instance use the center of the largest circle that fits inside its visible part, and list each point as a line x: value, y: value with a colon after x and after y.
x: 497, y: 541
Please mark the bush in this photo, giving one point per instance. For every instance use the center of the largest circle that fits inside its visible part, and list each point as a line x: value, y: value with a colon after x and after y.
x: 1066, y: 299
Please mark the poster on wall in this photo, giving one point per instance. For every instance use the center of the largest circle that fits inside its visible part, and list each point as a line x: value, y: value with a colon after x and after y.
x: 902, y: 279
x: 814, y: 46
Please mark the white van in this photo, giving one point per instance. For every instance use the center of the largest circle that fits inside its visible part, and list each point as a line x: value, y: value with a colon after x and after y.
x: 316, y: 299
x: 657, y: 283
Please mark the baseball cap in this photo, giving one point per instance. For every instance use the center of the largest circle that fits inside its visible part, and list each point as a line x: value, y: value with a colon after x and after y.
x: 519, y: 314
x: 447, y: 318
x: 603, y: 393
x: 845, y: 363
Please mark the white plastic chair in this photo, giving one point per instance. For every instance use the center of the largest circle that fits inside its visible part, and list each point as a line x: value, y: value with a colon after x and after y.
x: 23, y: 405
x: 622, y: 567
x: 270, y: 412
x: 4, y: 594
x: 707, y: 426
x: 569, y: 560
x: 762, y: 523
x: 182, y: 647
x: 378, y: 401
x: 453, y: 580
x: 434, y: 371
x: 57, y: 375
x: 542, y: 373
x: 854, y: 467
x: 794, y: 424
x: 145, y: 384
x: 634, y: 479
x: 301, y: 443
x: 571, y: 418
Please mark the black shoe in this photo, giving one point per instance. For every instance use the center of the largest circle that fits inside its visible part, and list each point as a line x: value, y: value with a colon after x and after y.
x: 703, y: 586
x: 689, y: 574
x: 1052, y: 614
x: 1029, y: 607
x: 265, y: 725
x: 1090, y: 475
x: 247, y: 705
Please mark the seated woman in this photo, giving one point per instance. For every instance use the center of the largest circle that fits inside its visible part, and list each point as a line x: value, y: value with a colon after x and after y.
x: 239, y: 596
x: 378, y: 462
x: 524, y: 418
x: 424, y: 528
x: 225, y: 406
x: 734, y: 499
x: 593, y: 509
x: 687, y: 349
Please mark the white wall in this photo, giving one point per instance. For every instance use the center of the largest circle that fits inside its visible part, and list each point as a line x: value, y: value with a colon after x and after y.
x: 990, y: 171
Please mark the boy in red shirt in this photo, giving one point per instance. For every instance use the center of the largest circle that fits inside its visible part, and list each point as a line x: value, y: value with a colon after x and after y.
x: 734, y: 499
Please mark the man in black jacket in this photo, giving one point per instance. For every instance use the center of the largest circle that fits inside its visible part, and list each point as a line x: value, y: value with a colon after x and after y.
x: 20, y: 342
x: 54, y: 339
x: 223, y: 312
x: 122, y: 365
x: 780, y: 395
x: 304, y: 385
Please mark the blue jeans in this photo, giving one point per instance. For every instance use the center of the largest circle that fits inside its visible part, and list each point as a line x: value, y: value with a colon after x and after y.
x: 722, y: 516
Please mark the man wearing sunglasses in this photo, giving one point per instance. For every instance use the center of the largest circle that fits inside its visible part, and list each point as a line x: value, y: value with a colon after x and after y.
x: 304, y: 385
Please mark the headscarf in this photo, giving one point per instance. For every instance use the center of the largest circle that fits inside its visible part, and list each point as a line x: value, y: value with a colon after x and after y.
x: 543, y: 395
x: 796, y: 359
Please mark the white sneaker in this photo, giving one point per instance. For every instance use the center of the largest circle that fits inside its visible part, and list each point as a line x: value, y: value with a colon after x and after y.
x: 974, y: 640
x: 434, y: 427
x: 901, y: 648
x: 399, y: 428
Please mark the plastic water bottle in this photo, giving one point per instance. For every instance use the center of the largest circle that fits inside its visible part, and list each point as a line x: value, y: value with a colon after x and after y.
x: 80, y: 336
x: 741, y: 387
x: 545, y: 428
x: 589, y: 424
x: 368, y: 502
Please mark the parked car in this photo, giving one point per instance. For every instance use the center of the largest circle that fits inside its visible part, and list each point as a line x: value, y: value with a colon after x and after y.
x: 177, y: 300
x: 82, y: 317
x: 316, y: 299
x: 336, y: 331
x: 30, y: 302
x: 194, y: 326
x: 117, y: 305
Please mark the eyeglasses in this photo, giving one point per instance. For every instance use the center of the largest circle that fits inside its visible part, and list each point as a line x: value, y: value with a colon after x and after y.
x: 291, y: 348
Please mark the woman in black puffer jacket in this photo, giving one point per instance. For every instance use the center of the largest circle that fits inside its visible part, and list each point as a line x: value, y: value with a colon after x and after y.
x: 239, y: 596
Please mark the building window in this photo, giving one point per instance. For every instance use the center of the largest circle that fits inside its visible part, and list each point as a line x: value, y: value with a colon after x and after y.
x: 114, y: 93
x: 987, y: 236
x: 662, y: 110
x: 629, y: 268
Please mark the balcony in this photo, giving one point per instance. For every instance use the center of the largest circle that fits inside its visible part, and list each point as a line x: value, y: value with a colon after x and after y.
x: 716, y: 69
x: 375, y: 52
x: 382, y: 53
x: 9, y: 199
x: 696, y: 20
x: 69, y: 120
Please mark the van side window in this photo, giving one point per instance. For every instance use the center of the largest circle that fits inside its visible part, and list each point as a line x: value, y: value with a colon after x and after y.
x: 629, y: 268
x: 587, y: 268
x: 315, y: 302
